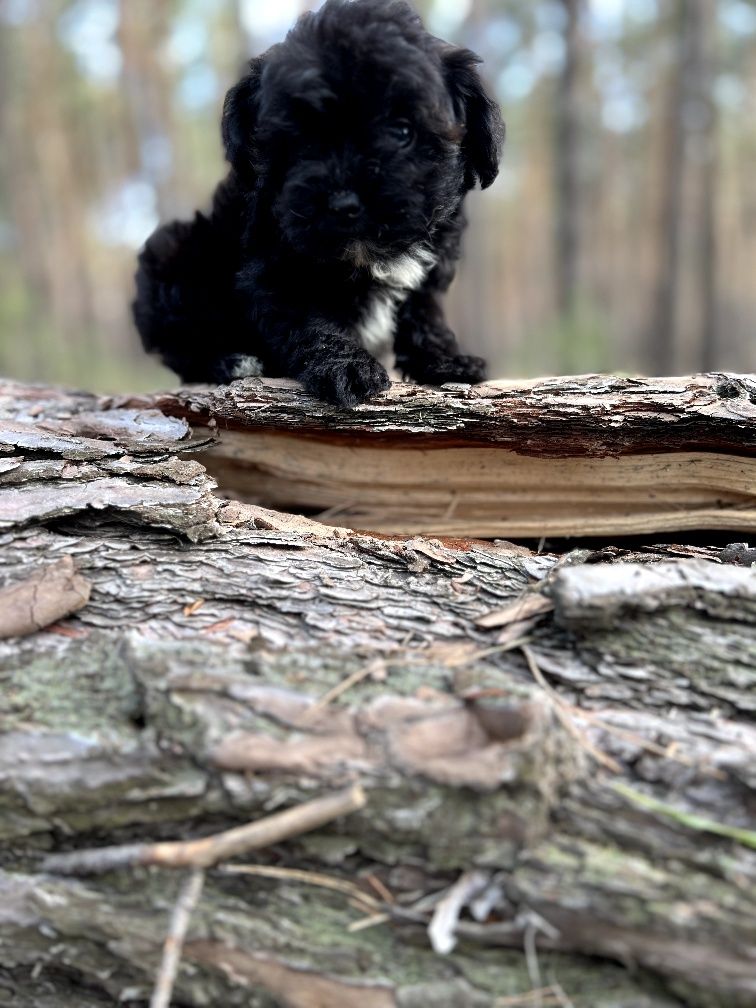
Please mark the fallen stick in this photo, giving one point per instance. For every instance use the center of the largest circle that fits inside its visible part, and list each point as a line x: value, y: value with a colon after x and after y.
x: 305, y: 877
x: 211, y: 850
x: 174, y: 941
x: 562, y: 710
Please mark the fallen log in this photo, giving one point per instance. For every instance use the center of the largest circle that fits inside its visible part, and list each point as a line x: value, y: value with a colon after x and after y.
x: 566, y: 739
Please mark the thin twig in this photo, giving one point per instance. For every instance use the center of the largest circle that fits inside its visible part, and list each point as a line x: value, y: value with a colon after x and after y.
x: 562, y: 998
x: 649, y: 746
x: 368, y: 922
x: 361, y: 900
x: 308, y: 878
x: 344, y: 685
x: 385, y: 894
x: 531, y: 958
x: 188, y: 898
x: 335, y: 509
x: 563, y: 712
x: 629, y: 736
x: 544, y: 995
x: 611, y: 729
x: 488, y: 652
x: 451, y: 506
x: 211, y: 850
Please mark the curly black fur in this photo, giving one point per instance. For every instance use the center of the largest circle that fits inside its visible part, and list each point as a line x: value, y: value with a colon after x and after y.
x: 352, y: 145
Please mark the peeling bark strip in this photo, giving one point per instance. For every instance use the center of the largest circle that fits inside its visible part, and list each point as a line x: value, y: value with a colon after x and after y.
x: 60, y: 456
x: 588, y: 416
x: 602, y: 596
x: 477, y: 692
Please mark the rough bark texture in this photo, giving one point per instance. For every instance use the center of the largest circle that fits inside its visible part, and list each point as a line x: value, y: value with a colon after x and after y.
x: 590, y: 752
x: 587, y: 416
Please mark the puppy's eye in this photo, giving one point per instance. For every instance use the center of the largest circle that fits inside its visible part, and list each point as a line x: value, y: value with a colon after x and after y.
x: 401, y: 132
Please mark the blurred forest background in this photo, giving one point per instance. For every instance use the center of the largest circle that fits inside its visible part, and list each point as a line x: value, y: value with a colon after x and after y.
x: 621, y: 234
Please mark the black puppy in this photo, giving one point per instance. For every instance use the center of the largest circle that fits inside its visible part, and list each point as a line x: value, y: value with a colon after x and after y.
x: 352, y: 145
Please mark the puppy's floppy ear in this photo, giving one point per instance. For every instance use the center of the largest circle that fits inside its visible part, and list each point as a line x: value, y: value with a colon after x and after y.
x: 240, y: 117
x: 476, y: 112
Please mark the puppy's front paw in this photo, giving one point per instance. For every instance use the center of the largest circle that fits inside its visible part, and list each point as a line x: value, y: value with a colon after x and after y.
x: 466, y: 368
x: 347, y: 381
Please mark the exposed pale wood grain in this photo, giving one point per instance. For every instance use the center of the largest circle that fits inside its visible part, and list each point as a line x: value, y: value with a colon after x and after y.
x: 484, y: 491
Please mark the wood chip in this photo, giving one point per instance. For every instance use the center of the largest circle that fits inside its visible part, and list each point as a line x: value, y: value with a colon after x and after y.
x: 73, y: 633
x: 430, y: 548
x: 49, y: 595
x: 193, y: 607
x: 218, y: 627
x: 245, y: 633
x: 522, y: 609
x: 515, y: 632
x: 443, y: 925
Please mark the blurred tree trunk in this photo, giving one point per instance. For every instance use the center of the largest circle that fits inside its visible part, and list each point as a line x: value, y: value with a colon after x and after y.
x: 567, y: 168
x: 474, y: 311
x: 52, y: 192
x: 688, y: 210
x: 148, y: 89
x: 22, y: 209
x: 663, y: 323
x: 706, y: 154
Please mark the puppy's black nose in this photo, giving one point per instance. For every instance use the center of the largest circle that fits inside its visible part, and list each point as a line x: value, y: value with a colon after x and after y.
x: 345, y: 205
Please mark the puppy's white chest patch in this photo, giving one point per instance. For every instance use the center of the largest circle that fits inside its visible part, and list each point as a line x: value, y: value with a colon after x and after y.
x: 407, y: 271
x: 397, y: 278
x: 376, y: 327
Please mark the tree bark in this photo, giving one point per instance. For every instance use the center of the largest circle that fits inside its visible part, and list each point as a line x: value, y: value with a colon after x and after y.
x: 576, y: 731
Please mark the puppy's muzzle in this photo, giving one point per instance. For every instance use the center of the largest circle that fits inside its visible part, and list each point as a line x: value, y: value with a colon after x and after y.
x: 345, y: 206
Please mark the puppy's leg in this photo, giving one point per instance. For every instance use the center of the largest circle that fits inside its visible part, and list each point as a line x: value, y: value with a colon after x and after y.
x: 185, y: 307
x: 330, y: 364
x: 426, y: 348
x: 299, y: 338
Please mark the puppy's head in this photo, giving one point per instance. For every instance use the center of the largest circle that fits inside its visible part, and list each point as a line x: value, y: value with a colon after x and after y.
x: 364, y: 130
